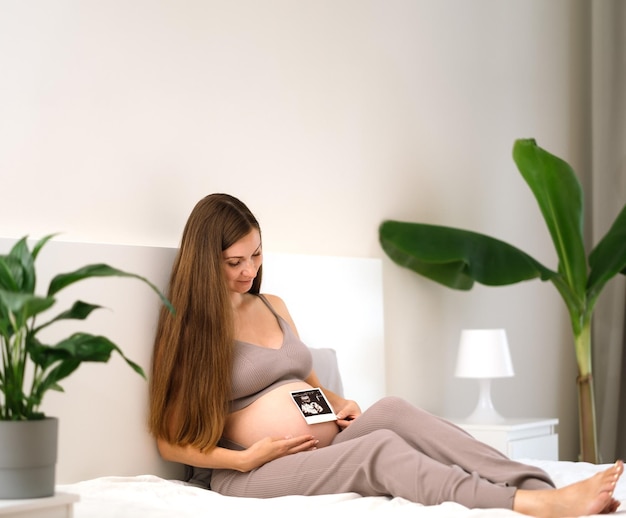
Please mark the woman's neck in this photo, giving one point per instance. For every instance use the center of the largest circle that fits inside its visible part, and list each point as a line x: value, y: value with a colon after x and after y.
x: 239, y: 300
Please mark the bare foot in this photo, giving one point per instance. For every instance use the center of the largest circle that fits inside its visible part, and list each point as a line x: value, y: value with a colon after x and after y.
x: 593, y: 495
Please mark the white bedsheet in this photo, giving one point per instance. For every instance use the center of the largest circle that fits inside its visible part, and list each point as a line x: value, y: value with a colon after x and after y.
x: 153, y: 497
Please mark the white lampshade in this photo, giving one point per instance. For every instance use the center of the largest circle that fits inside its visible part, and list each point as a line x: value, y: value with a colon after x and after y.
x: 484, y: 353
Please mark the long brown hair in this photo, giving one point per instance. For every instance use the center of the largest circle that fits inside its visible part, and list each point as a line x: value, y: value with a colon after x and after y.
x: 190, y: 385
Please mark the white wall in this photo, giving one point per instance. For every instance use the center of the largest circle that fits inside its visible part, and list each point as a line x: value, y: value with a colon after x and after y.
x: 325, y: 117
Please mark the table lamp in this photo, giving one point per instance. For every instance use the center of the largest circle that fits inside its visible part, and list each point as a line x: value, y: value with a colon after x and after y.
x: 484, y: 355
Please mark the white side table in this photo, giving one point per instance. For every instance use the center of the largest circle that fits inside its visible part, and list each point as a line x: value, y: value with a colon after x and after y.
x: 61, y: 505
x: 519, y: 438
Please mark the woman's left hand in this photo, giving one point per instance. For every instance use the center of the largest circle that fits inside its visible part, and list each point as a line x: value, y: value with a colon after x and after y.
x: 348, y: 412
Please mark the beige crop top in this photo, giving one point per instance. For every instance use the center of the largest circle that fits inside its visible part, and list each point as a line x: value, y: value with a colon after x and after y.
x: 257, y: 370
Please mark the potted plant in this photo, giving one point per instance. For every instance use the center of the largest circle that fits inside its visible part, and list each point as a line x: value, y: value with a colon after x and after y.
x: 457, y: 258
x: 29, y: 368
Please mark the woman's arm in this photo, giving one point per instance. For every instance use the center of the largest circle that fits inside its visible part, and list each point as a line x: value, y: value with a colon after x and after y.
x: 251, y: 458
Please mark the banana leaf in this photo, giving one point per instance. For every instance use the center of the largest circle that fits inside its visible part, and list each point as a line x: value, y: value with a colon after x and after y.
x: 457, y: 258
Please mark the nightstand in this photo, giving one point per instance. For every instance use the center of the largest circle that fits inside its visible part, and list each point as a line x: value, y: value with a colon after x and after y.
x: 519, y: 438
x: 60, y: 505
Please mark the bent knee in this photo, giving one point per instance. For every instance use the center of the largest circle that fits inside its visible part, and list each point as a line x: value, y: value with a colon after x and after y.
x: 393, y: 405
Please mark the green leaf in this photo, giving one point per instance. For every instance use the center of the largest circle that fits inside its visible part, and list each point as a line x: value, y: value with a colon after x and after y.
x: 10, y: 273
x: 51, y: 380
x: 608, y: 258
x: 24, y: 305
x: 456, y: 258
x: 40, y: 244
x: 559, y: 195
x: 79, y: 311
x: 63, y: 280
x: 17, y: 269
x: 22, y: 254
x: 82, y: 347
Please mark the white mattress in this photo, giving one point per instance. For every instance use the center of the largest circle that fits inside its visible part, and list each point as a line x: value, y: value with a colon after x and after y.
x: 153, y: 497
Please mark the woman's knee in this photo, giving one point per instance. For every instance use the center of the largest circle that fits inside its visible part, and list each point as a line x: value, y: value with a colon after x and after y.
x: 389, y: 413
x: 393, y: 406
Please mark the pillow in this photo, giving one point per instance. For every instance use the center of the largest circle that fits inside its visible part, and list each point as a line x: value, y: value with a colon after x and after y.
x: 327, y: 369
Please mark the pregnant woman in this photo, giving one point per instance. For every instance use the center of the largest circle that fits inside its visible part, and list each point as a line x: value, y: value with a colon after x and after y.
x: 223, y: 369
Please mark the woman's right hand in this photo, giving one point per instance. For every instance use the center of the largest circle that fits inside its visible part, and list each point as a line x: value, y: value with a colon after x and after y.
x: 271, y: 448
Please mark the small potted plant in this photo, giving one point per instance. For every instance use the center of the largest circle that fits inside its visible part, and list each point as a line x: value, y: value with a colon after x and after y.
x: 29, y: 368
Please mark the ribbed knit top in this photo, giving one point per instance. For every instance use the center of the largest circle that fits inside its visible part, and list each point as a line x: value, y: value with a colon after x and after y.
x: 257, y: 370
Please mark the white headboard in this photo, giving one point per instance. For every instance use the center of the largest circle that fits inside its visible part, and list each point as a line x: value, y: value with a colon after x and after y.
x: 335, y: 302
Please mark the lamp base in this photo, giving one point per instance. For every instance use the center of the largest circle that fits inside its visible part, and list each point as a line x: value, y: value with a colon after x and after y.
x: 485, y: 413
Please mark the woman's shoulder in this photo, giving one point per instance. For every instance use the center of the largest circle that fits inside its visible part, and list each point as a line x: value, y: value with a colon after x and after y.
x: 279, y: 306
x: 276, y: 302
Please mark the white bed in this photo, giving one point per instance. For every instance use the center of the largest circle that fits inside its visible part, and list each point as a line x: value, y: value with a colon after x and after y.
x: 153, y: 497
x: 106, y: 456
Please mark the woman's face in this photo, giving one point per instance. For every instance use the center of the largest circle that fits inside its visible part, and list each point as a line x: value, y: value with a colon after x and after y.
x: 242, y: 261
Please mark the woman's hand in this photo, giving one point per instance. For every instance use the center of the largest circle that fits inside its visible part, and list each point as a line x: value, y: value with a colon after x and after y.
x: 271, y: 448
x: 347, y: 413
x: 346, y: 410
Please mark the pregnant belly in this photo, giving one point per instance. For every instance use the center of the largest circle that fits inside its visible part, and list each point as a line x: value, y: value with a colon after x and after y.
x: 275, y: 415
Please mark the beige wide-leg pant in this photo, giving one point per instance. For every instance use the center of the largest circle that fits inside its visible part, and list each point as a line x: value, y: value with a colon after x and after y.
x: 393, y: 449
